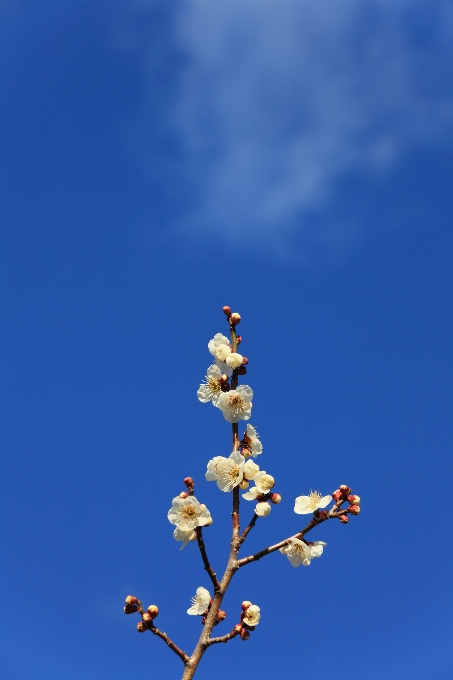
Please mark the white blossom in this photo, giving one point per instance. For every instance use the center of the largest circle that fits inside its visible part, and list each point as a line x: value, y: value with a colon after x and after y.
x: 230, y: 471
x: 263, y: 481
x: 211, y: 390
x: 188, y: 513
x: 304, y: 505
x: 234, y: 360
x: 185, y: 536
x: 251, y: 494
x: 220, y: 348
x: 218, y: 340
x: 262, y: 509
x: 252, y: 615
x: 317, y: 548
x: 236, y: 404
x: 297, y: 552
x: 250, y: 469
x: 200, y: 602
x: 211, y: 472
x: 256, y: 446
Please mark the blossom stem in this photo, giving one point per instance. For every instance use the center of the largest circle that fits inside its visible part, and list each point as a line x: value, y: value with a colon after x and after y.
x: 247, y: 529
x: 223, y: 638
x: 182, y: 655
x: 204, y: 557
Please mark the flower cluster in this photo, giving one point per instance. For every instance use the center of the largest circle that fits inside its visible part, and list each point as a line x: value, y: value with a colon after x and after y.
x: 133, y: 605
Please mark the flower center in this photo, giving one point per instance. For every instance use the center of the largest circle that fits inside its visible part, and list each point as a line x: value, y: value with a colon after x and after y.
x: 189, y: 511
x: 214, y: 385
x: 236, y: 403
x: 315, y: 497
x: 234, y: 472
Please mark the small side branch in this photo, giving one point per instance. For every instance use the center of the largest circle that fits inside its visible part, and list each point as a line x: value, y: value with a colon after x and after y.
x: 204, y: 557
x: 223, y: 638
x: 248, y: 528
x: 182, y: 655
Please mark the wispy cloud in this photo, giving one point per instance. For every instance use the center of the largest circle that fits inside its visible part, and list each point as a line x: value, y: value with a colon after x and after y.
x: 268, y: 103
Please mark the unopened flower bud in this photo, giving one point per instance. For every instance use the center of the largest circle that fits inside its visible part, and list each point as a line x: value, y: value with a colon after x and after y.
x: 275, y: 498
x: 188, y: 481
x: 245, y: 605
x: 343, y: 519
x: 245, y: 361
x: 141, y: 627
x: 337, y: 495
x: 245, y: 483
x: 153, y: 611
x: 221, y: 615
x: 354, y: 500
x: 226, y: 310
x: 130, y: 608
x: 235, y: 318
x: 262, y: 509
x: 242, y: 370
x: 130, y: 599
x: 345, y: 490
x: 354, y: 509
x: 244, y: 634
x: 183, y: 494
x: 238, y: 339
x: 147, y: 617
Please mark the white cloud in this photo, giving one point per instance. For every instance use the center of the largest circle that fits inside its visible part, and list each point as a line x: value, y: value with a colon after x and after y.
x: 274, y: 101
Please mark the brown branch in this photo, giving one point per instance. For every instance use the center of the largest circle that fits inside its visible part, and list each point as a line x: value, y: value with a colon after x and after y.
x: 204, y: 557
x: 223, y: 638
x: 247, y: 529
x: 182, y: 655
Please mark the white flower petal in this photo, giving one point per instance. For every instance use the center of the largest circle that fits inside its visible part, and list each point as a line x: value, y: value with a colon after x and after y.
x: 262, y: 509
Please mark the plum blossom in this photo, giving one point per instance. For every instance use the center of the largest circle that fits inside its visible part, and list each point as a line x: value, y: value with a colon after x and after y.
x: 297, y: 552
x: 305, y: 505
x: 255, y: 445
x: 211, y: 389
x: 184, y: 536
x: 211, y: 472
x: 220, y: 348
x: 251, y: 494
x: 262, y: 509
x: 230, y: 471
x: 252, y: 615
x: 234, y: 360
x: 200, y: 602
x: 263, y: 481
x: 236, y: 404
x: 317, y: 548
x: 188, y: 513
x: 250, y: 470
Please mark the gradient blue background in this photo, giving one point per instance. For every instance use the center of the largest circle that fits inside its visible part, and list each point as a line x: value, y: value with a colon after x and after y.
x: 160, y: 160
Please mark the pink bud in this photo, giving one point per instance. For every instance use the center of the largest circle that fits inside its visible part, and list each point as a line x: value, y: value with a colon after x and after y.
x: 238, y: 339
x: 245, y: 605
x: 244, y: 634
x: 183, y: 494
x: 130, y: 599
x: 226, y: 310
x: 343, y: 519
x: 345, y: 490
x: 354, y: 509
x: 188, y: 481
x: 245, y: 361
x: 130, y: 608
x: 337, y: 495
x: 275, y: 498
x: 153, y: 611
x: 235, y: 318
x: 147, y: 617
x: 141, y: 627
x: 354, y: 500
x: 221, y: 615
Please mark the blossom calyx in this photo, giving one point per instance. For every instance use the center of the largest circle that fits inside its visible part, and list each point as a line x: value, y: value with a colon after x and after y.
x: 153, y: 611
x: 235, y: 318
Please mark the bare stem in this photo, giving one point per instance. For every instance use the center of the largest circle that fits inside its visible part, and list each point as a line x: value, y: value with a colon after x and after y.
x: 223, y: 638
x: 247, y: 529
x: 182, y: 655
x: 204, y: 557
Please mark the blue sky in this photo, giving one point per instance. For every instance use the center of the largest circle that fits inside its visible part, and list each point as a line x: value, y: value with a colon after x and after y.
x: 160, y: 160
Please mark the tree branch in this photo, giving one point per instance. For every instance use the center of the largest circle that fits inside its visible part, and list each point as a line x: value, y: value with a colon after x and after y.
x: 223, y: 638
x: 204, y: 557
x: 182, y: 655
x: 248, y: 528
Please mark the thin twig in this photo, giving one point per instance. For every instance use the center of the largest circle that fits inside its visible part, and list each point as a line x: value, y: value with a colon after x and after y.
x: 204, y: 557
x: 248, y: 528
x: 182, y: 655
x: 223, y: 638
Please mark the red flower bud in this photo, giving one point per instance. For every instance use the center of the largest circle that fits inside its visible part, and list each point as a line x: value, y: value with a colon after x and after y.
x: 221, y: 615
x: 153, y: 611
x: 245, y: 361
x: 354, y: 500
x: 130, y: 609
x: 226, y: 310
x: 141, y: 627
x: 130, y: 599
x: 275, y: 498
x: 345, y: 490
x: 147, y: 617
x: 189, y: 483
x: 343, y: 519
x: 337, y: 495
x: 354, y: 509
x: 245, y: 605
x: 235, y: 318
x: 238, y: 339
x: 244, y: 634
